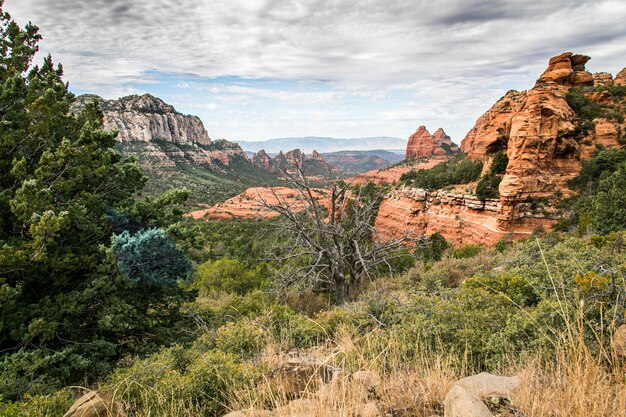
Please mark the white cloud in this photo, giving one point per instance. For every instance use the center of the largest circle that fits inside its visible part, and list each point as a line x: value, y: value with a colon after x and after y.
x: 452, y: 58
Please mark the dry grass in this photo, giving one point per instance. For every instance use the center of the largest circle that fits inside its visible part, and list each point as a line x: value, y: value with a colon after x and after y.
x: 574, y: 383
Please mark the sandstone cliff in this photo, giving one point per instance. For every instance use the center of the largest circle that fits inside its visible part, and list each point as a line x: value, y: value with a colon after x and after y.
x: 545, y: 132
x: 422, y: 144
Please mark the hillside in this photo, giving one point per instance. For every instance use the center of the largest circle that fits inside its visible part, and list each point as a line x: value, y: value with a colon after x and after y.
x: 175, y: 150
x: 323, y: 144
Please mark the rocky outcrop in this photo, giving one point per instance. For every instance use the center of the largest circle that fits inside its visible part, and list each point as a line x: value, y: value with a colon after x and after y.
x: 619, y: 341
x: 147, y: 118
x: 602, y: 79
x: 540, y: 134
x: 262, y: 159
x: 95, y: 404
x: 468, y: 396
x: 313, y: 165
x: 422, y: 144
x: 460, y: 218
x: 620, y: 78
x: 158, y: 135
x: 251, y: 204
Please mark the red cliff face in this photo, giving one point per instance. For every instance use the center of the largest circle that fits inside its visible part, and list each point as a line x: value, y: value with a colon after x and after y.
x: 545, y: 144
x: 422, y: 144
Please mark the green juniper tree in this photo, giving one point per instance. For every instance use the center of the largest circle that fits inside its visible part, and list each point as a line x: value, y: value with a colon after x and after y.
x: 66, y: 311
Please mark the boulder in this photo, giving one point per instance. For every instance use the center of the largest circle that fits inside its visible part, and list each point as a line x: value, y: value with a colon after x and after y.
x: 251, y: 412
x: 486, y: 386
x: 461, y: 403
x: 95, y: 404
x: 296, y: 408
x: 368, y: 410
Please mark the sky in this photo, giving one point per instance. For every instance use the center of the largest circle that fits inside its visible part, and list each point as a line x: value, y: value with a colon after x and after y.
x: 260, y: 69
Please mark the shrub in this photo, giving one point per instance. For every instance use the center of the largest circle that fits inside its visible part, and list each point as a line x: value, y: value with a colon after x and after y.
x: 202, y: 380
x: 488, y: 186
x: 457, y: 170
x: 290, y: 329
x: 150, y: 257
x: 38, y: 406
x: 229, y: 275
x: 466, y: 251
x: 499, y: 163
x: 431, y: 248
x: 244, y: 338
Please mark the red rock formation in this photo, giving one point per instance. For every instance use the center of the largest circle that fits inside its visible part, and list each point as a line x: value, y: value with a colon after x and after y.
x: 422, y: 144
x: 250, y: 204
x: 537, y: 130
x: 263, y: 159
x: 540, y: 134
x: 620, y: 78
x: 314, y: 165
x: 602, y: 78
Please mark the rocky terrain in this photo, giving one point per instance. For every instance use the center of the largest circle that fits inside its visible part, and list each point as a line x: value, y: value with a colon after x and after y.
x: 546, y: 132
x: 422, y: 144
x: 175, y: 150
x: 251, y: 204
x: 289, y: 162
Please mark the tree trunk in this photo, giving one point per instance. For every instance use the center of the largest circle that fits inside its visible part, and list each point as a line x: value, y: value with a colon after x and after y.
x: 340, y: 291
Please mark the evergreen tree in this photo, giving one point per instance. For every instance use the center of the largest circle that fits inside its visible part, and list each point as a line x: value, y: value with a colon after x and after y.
x: 65, y: 310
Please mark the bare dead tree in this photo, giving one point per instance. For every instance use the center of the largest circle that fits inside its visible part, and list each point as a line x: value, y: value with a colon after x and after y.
x: 328, y: 236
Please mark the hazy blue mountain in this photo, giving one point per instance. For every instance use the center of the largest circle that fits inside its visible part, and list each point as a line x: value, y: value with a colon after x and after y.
x: 325, y: 144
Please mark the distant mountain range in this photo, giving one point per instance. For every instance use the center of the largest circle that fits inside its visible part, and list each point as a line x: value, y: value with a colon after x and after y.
x: 325, y: 144
x: 358, y: 162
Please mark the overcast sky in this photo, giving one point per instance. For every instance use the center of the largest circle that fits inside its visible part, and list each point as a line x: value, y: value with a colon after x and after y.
x: 259, y: 69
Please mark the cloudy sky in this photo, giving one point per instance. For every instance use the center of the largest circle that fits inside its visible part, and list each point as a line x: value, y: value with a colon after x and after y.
x: 258, y: 69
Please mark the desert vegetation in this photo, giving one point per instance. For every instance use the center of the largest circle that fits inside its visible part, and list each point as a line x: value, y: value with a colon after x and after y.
x: 109, y: 290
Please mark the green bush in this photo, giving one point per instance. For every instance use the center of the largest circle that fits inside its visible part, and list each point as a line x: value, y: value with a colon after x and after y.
x: 52, y: 405
x: 244, y: 338
x: 499, y: 163
x: 457, y: 170
x: 466, y: 251
x: 202, y: 380
x: 290, y: 329
x: 488, y: 186
x: 229, y: 275
x: 431, y: 248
